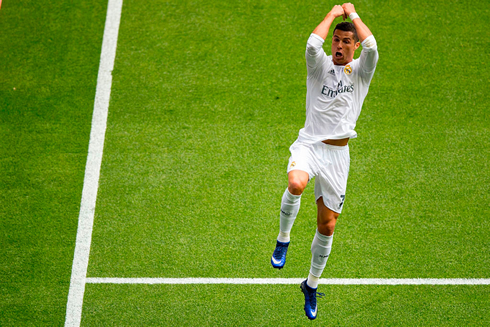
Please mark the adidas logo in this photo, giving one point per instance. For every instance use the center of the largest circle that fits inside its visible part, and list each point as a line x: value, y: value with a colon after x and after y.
x: 332, y: 72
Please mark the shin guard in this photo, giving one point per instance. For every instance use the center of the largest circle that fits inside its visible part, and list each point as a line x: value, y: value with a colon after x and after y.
x: 289, y: 210
x: 320, y: 250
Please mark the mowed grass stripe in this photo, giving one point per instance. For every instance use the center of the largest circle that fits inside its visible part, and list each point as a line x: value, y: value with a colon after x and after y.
x: 293, y: 281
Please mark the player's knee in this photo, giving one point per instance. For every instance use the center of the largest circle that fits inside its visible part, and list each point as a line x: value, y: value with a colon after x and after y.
x: 296, y: 186
x: 326, y: 228
x: 326, y: 225
x: 297, y: 181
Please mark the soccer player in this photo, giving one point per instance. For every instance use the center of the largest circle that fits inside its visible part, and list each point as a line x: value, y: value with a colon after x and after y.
x: 336, y: 87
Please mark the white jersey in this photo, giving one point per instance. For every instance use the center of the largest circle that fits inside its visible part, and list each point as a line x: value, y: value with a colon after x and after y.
x: 335, y: 94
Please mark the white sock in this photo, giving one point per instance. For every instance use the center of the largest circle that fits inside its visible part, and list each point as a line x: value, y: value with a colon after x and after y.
x: 289, y: 210
x: 312, y: 281
x: 320, y: 250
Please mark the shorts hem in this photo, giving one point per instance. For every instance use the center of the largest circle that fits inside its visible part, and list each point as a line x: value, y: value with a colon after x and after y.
x: 299, y: 168
x: 328, y: 206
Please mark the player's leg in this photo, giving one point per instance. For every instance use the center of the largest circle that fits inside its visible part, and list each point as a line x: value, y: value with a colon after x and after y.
x: 291, y: 201
x: 320, y: 251
x: 330, y: 187
x: 290, y: 204
x: 300, y: 171
x: 322, y: 242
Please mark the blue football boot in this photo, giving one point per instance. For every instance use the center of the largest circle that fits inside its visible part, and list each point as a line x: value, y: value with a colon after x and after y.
x: 279, y: 256
x: 311, y: 294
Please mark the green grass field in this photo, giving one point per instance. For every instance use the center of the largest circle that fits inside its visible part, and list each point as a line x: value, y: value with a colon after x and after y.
x: 206, y: 99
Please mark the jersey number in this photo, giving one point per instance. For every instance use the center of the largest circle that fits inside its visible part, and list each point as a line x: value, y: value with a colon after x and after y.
x: 343, y: 199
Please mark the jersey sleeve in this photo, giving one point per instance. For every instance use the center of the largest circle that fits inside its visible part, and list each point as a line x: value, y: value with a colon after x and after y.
x: 315, y: 55
x: 368, y: 58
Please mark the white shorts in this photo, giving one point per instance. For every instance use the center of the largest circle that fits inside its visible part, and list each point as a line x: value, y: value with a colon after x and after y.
x: 329, y: 164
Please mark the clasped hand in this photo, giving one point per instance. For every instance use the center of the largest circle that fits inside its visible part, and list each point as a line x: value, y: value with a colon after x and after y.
x: 345, y: 10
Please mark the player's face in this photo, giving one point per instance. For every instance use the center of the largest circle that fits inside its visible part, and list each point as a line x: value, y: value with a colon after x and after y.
x: 343, y: 47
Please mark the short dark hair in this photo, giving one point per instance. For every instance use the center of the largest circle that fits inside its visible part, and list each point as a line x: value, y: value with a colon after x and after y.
x: 347, y: 27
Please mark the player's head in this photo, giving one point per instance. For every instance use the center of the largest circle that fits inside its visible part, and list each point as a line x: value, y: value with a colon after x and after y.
x: 344, y: 43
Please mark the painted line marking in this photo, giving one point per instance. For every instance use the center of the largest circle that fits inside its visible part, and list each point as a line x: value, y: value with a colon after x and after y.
x: 92, y: 168
x: 288, y: 281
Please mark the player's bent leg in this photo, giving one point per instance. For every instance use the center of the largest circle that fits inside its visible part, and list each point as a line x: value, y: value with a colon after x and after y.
x: 297, y: 181
x: 290, y: 204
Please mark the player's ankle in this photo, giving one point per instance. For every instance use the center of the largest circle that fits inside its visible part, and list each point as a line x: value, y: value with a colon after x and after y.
x: 312, y: 281
x: 283, y: 237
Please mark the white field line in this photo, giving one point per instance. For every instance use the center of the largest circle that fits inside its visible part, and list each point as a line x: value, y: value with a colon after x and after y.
x: 288, y: 281
x: 92, y: 169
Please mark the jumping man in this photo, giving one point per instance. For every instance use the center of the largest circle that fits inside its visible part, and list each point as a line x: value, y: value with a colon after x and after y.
x: 336, y: 88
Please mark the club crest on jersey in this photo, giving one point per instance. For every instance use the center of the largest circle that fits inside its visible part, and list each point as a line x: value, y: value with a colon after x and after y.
x: 293, y: 164
x: 348, y: 70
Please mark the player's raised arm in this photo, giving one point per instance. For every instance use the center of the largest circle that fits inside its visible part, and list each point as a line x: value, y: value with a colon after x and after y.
x: 322, y: 29
x: 315, y: 54
x: 369, y: 54
x: 362, y: 30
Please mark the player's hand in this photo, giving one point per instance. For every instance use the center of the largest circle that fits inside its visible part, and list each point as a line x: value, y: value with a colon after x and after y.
x: 337, y: 11
x: 348, y: 9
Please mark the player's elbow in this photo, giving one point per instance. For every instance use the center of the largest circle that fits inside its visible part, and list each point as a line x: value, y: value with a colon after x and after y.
x: 369, y: 43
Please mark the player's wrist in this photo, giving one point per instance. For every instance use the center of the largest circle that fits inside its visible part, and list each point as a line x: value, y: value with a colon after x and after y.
x: 331, y: 15
x: 353, y: 15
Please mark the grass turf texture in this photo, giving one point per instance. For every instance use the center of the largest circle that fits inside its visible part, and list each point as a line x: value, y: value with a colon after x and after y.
x: 277, y: 305
x: 206, y: 100
x: 50, y: 56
